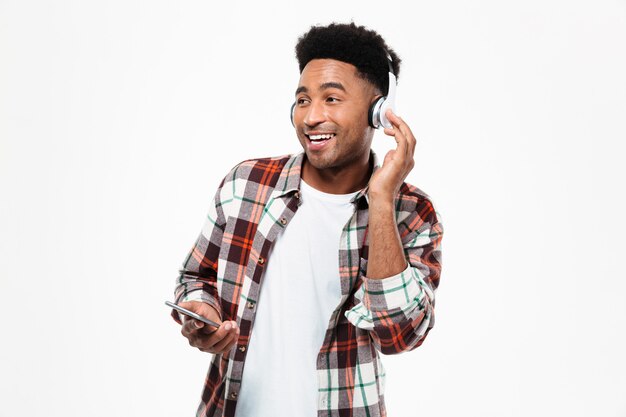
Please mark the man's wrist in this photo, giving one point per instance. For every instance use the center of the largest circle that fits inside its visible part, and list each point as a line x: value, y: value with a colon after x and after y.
x: 381, y: 204
x: 381, y: 198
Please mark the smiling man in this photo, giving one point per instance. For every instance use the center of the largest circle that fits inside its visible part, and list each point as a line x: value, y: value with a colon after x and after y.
x: 315, y: 263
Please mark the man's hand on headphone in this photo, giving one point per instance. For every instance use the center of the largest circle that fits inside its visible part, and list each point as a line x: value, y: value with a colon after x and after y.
x: 207, y: 338
x: 386, y: 181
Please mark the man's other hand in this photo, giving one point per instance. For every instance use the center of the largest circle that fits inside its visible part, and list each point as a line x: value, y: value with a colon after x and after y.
x: 205, y: 337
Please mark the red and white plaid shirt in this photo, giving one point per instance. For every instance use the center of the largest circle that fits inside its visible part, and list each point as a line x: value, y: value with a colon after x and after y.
x: 225, y: 268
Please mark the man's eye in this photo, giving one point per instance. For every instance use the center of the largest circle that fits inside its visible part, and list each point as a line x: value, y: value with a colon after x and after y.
x: 332, y: 99
x: 301, y: 101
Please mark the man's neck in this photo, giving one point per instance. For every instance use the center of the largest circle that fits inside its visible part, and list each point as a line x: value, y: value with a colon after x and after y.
x: 338, y: 180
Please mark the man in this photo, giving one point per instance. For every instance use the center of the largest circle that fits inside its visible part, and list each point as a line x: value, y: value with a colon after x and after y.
x: 314, y: 263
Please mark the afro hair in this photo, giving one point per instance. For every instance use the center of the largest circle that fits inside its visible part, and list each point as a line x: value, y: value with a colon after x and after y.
x: 356, y: 45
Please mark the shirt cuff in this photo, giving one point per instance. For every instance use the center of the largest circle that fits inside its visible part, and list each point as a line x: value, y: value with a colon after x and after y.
x: 193, y: 296
x: 400, y: 293
x: 203, y: 297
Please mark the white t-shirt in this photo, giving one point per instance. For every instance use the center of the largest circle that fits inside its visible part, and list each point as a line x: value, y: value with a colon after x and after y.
x: 300, y: 290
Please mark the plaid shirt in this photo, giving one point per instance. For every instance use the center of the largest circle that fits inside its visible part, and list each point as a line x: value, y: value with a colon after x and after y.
x: 225, y: 268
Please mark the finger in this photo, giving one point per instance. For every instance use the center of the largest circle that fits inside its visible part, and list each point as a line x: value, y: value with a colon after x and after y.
x: 208, y: 329
x: 195, y: 341
x: 392, y: 131
x: 207, y: 341
x: 228, y: 347
x: 227, y: 343
x: 190, y: 327
x: 403, y: 146
x: 205, y: 328
x: 404, y: 151
x: 395, y: 119
x: 400, y: 124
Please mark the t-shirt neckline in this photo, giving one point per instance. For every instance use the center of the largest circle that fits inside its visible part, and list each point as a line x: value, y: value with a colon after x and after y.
x: 326, y: 196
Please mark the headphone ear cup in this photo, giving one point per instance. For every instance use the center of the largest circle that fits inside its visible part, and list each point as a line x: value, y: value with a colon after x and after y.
x: 293, y: 109
x: 373, y: 115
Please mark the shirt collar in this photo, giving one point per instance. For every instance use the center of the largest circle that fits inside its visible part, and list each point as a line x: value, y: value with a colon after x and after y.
x: 290, y: 176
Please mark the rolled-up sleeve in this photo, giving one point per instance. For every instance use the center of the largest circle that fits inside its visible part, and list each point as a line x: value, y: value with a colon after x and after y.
x: 399, y: 310
x: 197, y: 278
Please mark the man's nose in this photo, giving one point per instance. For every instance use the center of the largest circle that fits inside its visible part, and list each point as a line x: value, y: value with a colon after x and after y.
x: 315, y: 114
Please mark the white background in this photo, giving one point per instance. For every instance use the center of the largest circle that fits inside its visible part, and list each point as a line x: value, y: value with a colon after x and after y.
x: 119, y: 118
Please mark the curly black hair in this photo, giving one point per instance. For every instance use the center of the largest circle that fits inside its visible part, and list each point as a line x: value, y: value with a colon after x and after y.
x: 356, y: 45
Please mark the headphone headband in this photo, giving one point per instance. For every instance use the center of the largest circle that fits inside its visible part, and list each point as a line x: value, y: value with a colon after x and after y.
x: 389, y: 62
x: 376, y: 115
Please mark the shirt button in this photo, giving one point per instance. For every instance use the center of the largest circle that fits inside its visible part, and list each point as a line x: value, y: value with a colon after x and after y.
x: 283, y: 221
x: 297, y: 194
x: 250, y: 304
x: 233, y: 395
x: 261, y: 260
x: 242, y: 348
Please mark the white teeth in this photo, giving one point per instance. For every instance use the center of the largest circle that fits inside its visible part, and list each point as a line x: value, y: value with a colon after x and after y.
x: 319, y: 137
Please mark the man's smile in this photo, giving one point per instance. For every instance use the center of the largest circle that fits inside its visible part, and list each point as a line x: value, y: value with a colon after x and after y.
x: 321, y: 136
x: 319, y: 140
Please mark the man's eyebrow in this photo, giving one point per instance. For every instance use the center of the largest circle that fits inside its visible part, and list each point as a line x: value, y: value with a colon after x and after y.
x: 325, y: 86
x: 332, y: 84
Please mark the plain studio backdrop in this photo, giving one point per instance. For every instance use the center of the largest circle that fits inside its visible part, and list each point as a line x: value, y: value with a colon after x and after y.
x: 118, y: 119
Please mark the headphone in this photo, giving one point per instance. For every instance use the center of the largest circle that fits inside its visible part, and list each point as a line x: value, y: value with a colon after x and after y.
x: 376, y: 113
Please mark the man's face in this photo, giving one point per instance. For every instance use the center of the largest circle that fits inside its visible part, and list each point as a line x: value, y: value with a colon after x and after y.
x: 332, y: 102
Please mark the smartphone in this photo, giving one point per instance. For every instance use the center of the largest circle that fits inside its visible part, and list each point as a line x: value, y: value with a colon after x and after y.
x: 191, y: 314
